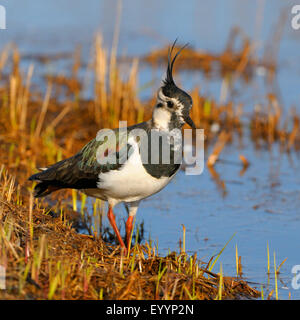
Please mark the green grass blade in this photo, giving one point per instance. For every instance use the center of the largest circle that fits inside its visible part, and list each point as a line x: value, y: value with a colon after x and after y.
x: 218, y: 256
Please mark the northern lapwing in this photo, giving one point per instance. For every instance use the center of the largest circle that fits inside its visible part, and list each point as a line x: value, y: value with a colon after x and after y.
x: 128, y: 179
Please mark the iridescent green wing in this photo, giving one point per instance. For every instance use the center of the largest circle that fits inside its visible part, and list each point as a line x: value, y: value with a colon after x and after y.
x: 108, y: 151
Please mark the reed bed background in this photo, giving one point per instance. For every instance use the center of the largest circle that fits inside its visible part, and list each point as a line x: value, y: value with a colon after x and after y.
x: 44, y: 255
x: 46, y: 258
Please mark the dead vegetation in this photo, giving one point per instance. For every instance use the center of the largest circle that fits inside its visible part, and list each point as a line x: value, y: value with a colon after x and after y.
x: 44, y: 256
x: 227, y: 63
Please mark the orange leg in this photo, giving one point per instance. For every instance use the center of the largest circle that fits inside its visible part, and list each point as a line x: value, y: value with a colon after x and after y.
x: 129, y: 224
x: 112, y: 220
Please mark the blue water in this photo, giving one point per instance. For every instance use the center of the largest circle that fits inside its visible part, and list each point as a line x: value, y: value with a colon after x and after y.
x: 59, y: 25
x: 262, y: 205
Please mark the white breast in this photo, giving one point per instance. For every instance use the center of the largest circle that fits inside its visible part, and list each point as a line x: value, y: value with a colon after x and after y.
x: 130, y: 183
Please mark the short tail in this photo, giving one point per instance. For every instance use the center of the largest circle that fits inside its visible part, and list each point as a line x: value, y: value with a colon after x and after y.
x: 64, y: 174
x: 47, y: 179
x: 42, y: 189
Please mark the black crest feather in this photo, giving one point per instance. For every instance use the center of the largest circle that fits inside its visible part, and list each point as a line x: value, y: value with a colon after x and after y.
x: 169, y: 78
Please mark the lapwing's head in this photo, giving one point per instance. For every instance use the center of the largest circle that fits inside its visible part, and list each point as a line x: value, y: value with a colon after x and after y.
x: 173, y: 104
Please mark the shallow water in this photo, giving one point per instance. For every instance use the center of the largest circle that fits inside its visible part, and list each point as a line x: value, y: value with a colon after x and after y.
x: 262, y: 205
x: 57, y: 26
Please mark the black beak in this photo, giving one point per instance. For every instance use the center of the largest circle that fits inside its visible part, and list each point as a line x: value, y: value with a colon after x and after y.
x: 190, y: 122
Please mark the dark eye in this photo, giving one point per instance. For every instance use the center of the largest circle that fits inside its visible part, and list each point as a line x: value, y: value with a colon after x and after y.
x: 170, y: 104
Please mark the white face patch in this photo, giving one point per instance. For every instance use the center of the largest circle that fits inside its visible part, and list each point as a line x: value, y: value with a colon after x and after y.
x: 161, y: 118
x: 164, y: 115
x: 179, y: 112
x: 161, y: 97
